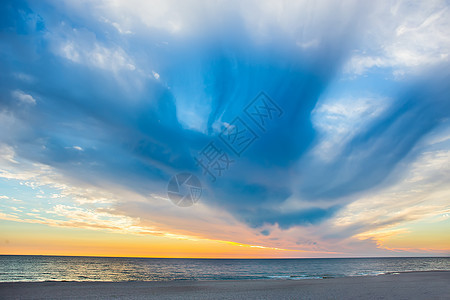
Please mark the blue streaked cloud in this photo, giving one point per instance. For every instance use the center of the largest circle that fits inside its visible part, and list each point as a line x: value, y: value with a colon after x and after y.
x: 126, y: 94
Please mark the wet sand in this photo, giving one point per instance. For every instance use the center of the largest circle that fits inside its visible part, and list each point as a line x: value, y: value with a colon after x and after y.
x: 410, y: 285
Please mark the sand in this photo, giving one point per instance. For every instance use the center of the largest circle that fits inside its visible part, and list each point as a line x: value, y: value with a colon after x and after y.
x: 412, y: 285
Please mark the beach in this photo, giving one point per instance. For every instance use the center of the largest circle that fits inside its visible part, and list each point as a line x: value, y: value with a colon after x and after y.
x: 407, y: 285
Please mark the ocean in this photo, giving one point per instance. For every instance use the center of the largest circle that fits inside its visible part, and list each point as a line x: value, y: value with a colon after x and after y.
x: 69, y: 268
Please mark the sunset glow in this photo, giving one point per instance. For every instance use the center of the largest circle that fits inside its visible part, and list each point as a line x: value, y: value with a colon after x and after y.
x: 111, y: 110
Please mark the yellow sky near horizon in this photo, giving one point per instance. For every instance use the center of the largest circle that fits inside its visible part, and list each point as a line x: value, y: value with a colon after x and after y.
x: 428, y: 235
x: 38, y: 239
x: 20, y: 238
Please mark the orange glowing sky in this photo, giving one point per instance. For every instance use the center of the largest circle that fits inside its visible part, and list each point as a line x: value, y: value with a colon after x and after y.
x: 343, y: 106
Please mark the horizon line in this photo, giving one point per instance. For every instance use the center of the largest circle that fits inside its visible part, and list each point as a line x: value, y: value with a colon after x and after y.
x: 225, y: 258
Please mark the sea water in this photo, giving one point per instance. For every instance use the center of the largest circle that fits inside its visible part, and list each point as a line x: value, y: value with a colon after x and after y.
x: 67, y: 268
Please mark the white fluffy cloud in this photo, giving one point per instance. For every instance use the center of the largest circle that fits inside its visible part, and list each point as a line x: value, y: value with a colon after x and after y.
x: 404, y: 36
x: 339, y: 120
x: 23, y: 97
x: 114, y: 59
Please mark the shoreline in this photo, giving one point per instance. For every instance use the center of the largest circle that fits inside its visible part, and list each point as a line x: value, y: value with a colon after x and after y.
x: 396, y: 285
x: 275, y: 278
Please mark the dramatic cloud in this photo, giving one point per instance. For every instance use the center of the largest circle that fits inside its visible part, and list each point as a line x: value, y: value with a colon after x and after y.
x: 101, y: 103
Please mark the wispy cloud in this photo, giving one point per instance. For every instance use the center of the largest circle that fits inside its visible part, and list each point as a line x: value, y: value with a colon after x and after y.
x: 23, y: 97
x: 104, y: 102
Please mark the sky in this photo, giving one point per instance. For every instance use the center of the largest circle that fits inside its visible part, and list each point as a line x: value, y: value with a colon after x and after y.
x: 312, y: 129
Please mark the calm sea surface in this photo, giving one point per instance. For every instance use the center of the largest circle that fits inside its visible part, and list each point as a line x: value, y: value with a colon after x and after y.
x: 63, y: 268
